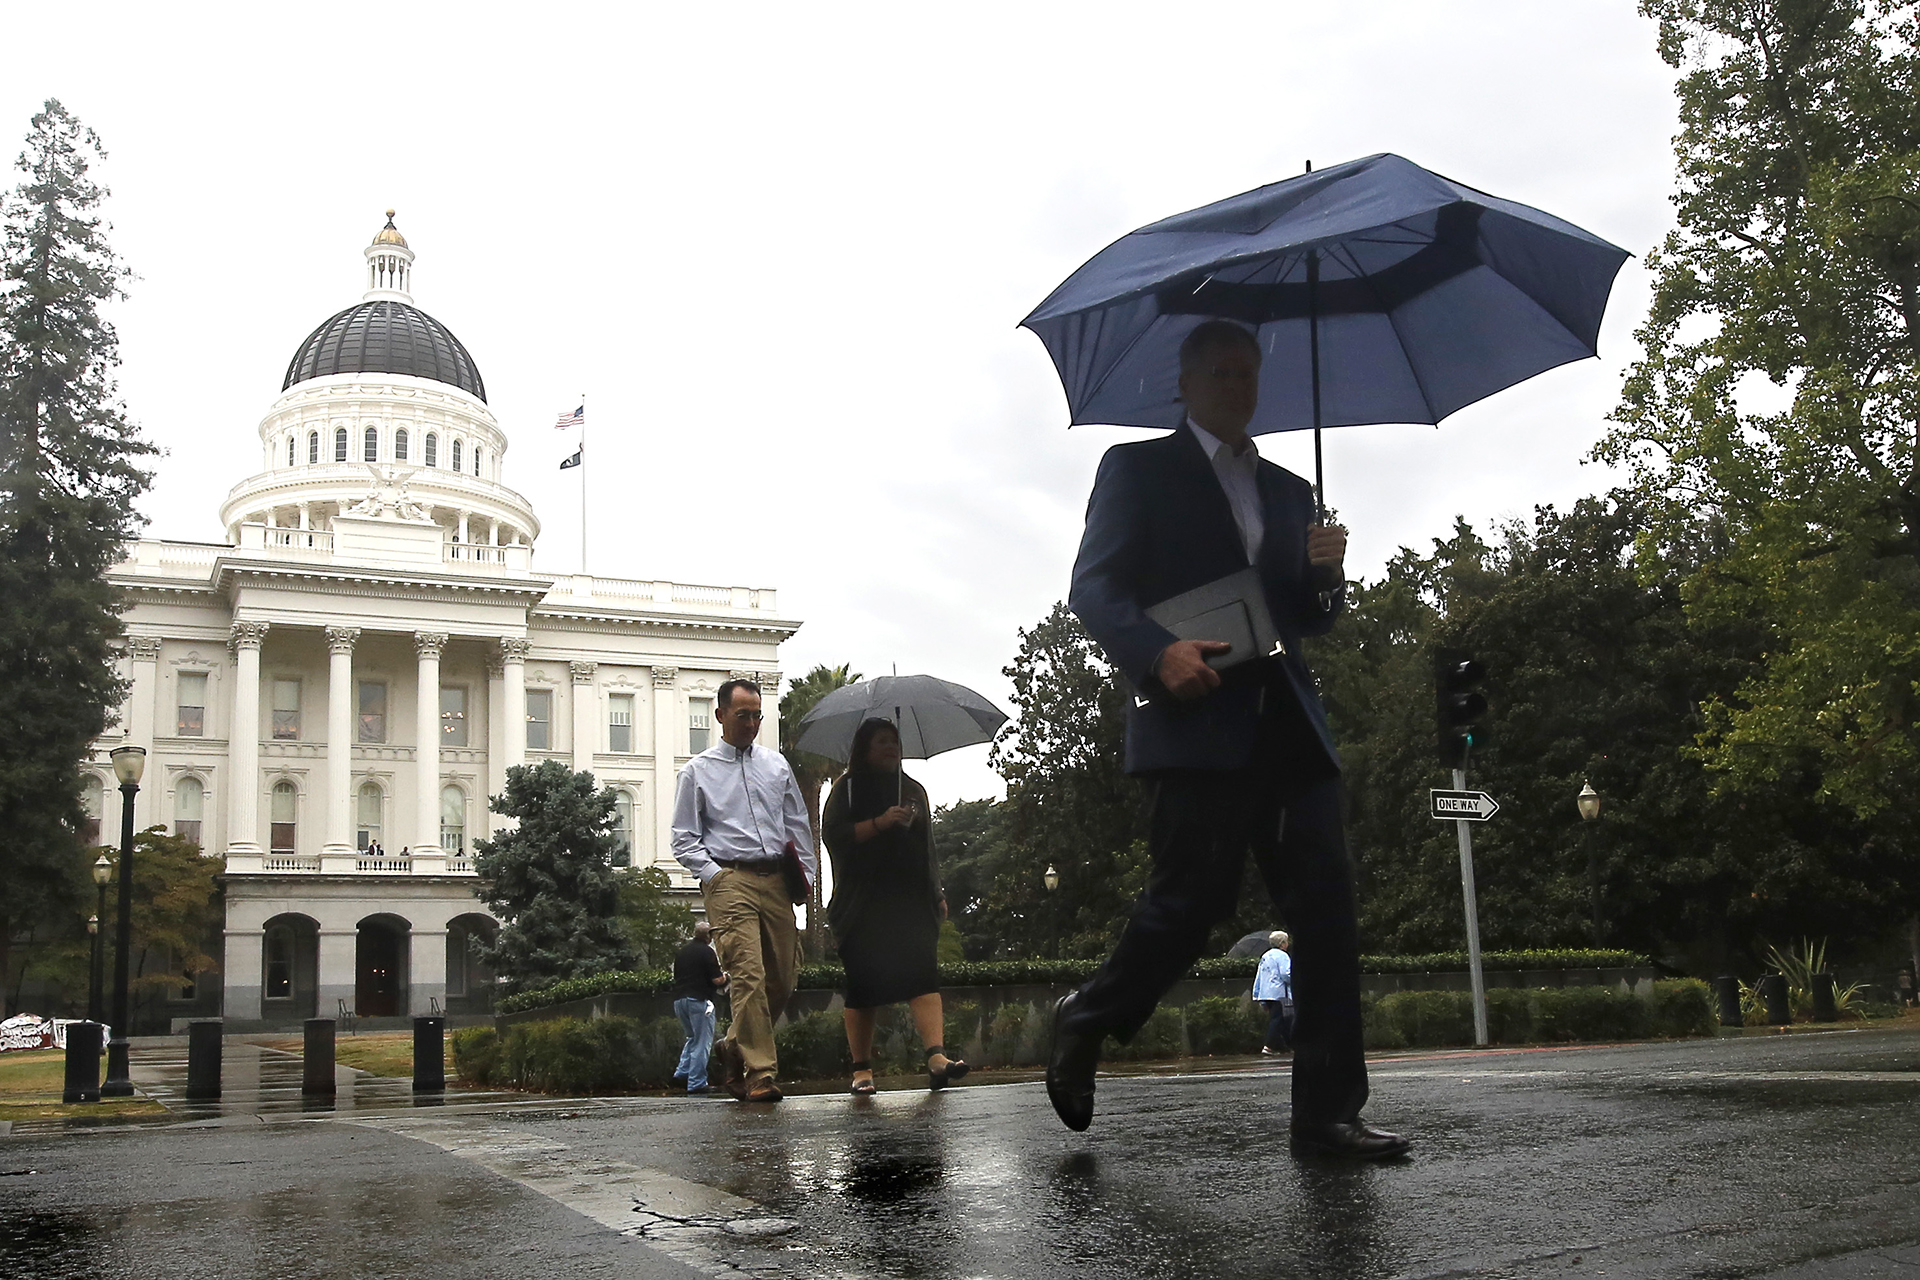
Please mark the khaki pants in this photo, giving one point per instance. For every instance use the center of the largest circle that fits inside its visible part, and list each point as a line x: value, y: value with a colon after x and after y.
x: 759, y: 946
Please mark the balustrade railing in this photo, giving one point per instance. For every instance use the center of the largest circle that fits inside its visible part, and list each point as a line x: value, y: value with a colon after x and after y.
x: 283, y: 862
x: 400, y: 865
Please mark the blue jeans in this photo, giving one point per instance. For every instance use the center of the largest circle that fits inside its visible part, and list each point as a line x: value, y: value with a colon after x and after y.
x: 696, y: 1019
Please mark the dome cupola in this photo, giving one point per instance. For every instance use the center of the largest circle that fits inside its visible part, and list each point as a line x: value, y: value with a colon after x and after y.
x: 386, y: 333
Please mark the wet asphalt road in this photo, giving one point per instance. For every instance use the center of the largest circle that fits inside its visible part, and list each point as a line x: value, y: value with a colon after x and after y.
x: 1791, y: 1157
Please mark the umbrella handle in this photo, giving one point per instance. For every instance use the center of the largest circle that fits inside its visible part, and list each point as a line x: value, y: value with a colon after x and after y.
x: 1313, y: 359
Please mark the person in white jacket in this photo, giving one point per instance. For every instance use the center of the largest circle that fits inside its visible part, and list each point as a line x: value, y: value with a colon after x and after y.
x: 1273, y: 991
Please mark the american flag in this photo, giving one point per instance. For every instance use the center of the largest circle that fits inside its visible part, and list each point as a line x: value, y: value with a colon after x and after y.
x: 578, y: 418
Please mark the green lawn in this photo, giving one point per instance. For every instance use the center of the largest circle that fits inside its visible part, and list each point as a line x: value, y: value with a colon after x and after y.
x: 386, y: 1053
x: 30, y: 1086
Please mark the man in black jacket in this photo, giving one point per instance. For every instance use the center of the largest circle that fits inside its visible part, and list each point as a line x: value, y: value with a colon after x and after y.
x: 1242, y: 765
x: 696, y: 980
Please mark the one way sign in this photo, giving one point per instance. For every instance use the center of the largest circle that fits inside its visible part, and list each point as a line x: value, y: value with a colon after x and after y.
x: 1473, y: 806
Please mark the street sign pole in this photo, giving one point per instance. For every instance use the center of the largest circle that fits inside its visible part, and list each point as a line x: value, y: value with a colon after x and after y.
x: 1465, y: 830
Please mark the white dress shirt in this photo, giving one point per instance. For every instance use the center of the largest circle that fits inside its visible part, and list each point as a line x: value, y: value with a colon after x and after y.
x: 740, y: 804
x: 1236, y: 473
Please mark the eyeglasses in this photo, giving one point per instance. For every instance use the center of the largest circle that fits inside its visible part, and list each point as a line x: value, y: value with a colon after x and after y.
x: 748, y: 715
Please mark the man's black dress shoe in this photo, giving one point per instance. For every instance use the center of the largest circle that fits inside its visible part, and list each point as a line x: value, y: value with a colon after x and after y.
x: 1071, y: 1059
x: 1356, y: 1140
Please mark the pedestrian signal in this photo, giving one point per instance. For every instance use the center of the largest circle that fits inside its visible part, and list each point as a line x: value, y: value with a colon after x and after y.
x: 1458, y: 705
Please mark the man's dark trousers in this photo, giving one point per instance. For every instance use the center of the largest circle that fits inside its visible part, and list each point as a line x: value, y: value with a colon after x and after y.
x: 1284, y: 807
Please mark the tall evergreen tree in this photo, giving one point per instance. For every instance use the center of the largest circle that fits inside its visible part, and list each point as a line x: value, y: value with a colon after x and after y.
x: 551, y: 879
x: 69, y: 474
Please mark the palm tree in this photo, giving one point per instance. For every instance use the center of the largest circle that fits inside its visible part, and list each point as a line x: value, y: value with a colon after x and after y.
x: 813, y: 772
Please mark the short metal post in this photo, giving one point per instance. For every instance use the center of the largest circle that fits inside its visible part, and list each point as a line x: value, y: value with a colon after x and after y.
x: 1773, y: 995
x: 429, y: 1054
x: 317, y: 1058
x: 83, y: 1063
x: 1826, y: 1002
x: 203, y: 1057
x: 1727, y: 989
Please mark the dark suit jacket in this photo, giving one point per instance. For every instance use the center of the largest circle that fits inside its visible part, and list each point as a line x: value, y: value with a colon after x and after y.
x: 1158, y: 524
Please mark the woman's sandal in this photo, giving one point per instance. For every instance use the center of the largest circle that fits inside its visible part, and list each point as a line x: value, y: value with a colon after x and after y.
x: 954, y: 1070
x: 863, y: 1088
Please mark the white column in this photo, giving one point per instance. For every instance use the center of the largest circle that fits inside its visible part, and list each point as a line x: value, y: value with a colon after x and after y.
x: 143, y: 653
x: 340, y: 739
x: 243, y: 970
x: 426, y: 970
x: 666, y: 745
x: 513, y: 655
x: 426, y: 750
x: 243, y: 740
x: 586, y: 715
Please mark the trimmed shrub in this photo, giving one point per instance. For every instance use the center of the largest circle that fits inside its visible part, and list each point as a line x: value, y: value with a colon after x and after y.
x: 1588, y: 1013
x: 575, y: 1055
x: 1015, y: 1037
x: 1429, y: 1017
x: 1378, y: 1031
x: 475, y: 1051
x: 815, y: 1045
x: 1682, y: 1007
x: 963, y: 1026
x: 1162, y: 1036
x: 1224, y: 1024
x: 1509, y: 1015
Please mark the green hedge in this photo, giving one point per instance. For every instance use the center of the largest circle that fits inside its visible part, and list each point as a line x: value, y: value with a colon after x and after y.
x: 996, y: 973
x: 571, y: 1055
x: 1517, y: 1015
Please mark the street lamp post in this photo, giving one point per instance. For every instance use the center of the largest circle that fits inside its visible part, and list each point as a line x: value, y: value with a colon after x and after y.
x: 102, y: 873
x: 1052, y: 880
x: 1588, y: 803
x: 129, y: 763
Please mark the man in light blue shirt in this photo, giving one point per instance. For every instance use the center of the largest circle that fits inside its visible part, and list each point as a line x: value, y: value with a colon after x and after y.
x: 736, y: 808
x: 1273, y: 991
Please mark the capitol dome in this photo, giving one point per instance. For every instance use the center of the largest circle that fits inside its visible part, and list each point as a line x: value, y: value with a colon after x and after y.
x: 386, y: 336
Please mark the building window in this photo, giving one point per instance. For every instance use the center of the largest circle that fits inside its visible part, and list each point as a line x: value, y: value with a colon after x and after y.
x: 456, y: 455
x: 453, y: 820
x: 189, y: 797
x: 93, y: 798
x: 191, y: 720
x: 699, y: 725
x: 286, y: 710
x: 373, y: 711
x: 433, y: 449
x: 313, y: 446
x: 340, y: 444
x: 369, y: 815
x: 620, y: 723
x: 622, y: 829
x: 453, y: 716
x: 539, y: 719
x: 478, y: 454
x: 279, y: 984
x: 290, y: 447
x: 286, y: 801
x: 400, y: 445
x: 370, y: 452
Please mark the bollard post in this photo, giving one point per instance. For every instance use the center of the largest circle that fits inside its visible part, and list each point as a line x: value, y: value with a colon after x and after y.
x: 83, y: 1063
x: 1826, y: 1003
x: 1728, y: 990
x: 429, y: 1055
x: 203, y: 1057
x: 1773, y: 994
x: 317, y: 1058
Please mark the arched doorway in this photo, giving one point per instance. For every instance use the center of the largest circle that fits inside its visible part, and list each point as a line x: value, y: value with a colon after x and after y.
x: 289, y: 969
x: 380, y: 967
x: 469, y: 980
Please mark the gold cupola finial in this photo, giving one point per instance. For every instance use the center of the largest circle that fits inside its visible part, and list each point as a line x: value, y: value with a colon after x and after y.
x: 390, y: 234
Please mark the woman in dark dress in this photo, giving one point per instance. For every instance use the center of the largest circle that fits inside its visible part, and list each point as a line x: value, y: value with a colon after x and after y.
x: 887, y: 904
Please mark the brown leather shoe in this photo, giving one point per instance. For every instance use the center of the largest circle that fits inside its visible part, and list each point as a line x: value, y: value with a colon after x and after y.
x: 733, y: 1069
x: 1356, y: 1140
x: 764, y: 1090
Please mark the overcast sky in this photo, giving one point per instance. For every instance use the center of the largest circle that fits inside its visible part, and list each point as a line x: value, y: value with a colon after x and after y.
x: 782, y: 250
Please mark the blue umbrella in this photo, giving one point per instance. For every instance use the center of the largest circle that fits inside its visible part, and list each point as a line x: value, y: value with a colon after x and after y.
x: 1380, y: 292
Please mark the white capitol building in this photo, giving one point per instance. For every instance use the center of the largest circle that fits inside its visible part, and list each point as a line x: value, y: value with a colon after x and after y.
x: 366, y: 655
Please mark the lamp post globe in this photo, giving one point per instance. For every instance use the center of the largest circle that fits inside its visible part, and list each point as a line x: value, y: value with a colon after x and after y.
x: 1588, y: 802
x: 129, y: 763
x: 102, y: 877
x: 1051, y: 879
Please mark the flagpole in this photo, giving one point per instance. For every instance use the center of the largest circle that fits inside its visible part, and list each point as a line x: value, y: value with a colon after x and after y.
x: 583, y: 482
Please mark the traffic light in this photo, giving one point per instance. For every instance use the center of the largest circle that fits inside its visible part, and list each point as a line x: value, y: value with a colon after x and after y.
x: 1458, y: 705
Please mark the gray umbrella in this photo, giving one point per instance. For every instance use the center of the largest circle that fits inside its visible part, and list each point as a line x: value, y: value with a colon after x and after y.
x: 932, y: 716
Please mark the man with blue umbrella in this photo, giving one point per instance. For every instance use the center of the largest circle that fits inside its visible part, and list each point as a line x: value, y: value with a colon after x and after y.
x: 1238, y: 764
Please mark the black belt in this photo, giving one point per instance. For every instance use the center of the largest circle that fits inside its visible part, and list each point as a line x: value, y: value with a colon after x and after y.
x: 758, y: 867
